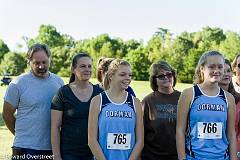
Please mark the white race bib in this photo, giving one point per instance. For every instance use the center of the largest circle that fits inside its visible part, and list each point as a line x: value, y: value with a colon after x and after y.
x: 209, y: 130
x: 121, y: 141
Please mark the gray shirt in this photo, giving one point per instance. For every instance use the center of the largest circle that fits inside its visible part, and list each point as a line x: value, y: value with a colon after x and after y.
x: 32, y: 97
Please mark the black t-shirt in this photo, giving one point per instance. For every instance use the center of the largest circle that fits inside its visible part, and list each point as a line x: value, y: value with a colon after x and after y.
x: 159, y: 134
x: 74, y: 135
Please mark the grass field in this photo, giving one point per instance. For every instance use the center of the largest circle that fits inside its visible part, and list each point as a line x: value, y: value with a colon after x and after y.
x: 141, y: 88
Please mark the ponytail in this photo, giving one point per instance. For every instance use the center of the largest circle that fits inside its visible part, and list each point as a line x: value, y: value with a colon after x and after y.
x: 106, y: 81
x: 72, y: 78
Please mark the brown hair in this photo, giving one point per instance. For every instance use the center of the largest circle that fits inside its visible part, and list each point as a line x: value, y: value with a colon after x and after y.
x: 74, y: 64
x: 231, y: 87
x: 234, y: 63
x: 198, y: 76
x: 154, y: 71
x: 102, y: 67
x: 112, y: 69
x: 37, y: 47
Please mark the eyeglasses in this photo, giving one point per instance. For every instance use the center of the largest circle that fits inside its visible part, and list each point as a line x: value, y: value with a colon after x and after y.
x: 163, y: 76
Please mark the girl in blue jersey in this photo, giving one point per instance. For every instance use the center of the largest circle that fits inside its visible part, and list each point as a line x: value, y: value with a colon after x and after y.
x: 115, y: 118
x: 102, y: 68
x: 205, y: 116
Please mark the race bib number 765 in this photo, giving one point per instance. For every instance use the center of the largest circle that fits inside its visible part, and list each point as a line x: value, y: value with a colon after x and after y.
x: 120, y: 141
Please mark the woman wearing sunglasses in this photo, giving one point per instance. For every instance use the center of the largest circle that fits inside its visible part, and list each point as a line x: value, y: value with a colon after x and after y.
x: 160, y: 109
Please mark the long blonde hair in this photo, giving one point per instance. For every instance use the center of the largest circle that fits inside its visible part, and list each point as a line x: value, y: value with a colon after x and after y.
x: 112, y: 69
x: 198, y: 76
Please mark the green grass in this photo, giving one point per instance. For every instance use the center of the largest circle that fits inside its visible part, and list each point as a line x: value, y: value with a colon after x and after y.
x: 6, y: 137
x: 141, y: 88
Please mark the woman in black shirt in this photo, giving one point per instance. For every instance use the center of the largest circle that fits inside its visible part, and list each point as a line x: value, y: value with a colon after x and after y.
x: 70, y: 108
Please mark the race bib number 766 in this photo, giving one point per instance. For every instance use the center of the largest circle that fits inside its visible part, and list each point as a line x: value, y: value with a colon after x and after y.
x: 209, y: 130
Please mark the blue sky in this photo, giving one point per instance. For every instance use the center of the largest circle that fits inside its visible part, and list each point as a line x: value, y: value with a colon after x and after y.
x: 128, y: 19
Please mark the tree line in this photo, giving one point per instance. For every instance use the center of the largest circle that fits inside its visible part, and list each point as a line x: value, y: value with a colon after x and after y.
x: 181, y: 51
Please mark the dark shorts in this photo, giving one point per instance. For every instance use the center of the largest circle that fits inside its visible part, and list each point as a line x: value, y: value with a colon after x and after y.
x: 26, y: 153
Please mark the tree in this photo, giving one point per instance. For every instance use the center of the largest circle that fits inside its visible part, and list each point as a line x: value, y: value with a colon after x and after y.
x: 13, y: 63
x: 189, y: 64
x: 102, y: 46
x: 3, y: 49
x: 155, y: 49
x: 231, y: 45
x: 131, y: 45
x: 68, y: 41
x: 178, y: 51
x: 162, y: 33
x: 209, y: 38
x: 61, y: 60
x: 49, y: 35
x: 158, y: 46
x: 139, y: 63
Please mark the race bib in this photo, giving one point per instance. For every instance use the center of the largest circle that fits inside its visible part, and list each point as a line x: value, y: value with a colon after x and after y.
x: 209, y: 130
x: 121, y: 141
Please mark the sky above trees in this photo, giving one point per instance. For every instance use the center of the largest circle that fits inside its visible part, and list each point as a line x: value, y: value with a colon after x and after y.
x: 137, y: 19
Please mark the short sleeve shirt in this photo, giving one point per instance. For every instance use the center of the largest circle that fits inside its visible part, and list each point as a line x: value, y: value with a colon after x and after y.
x: 74, y: 121
x: 32, y: 97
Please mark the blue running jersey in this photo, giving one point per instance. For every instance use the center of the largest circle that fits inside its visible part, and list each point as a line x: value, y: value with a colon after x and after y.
x: 116, y: 132
x: 206, y: 137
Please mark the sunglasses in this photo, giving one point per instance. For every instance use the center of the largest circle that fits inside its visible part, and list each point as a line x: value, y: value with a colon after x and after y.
x: 164, y: 76
x: 238, y: 65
